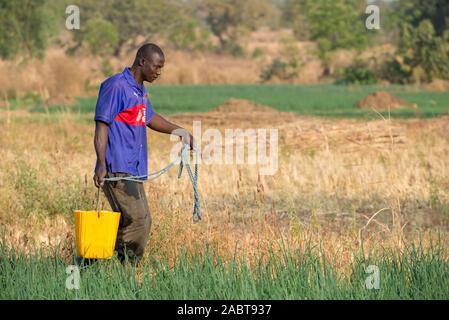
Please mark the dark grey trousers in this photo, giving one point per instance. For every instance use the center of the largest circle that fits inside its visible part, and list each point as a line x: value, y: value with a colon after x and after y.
x: 128, y: 198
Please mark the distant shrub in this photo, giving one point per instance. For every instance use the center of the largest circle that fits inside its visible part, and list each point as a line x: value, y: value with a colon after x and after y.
x: 280, y: 69
x: 31, y: 98
x: 285, y: 67
x: 25, y: 28
x: 393, y: 72
x: 257, y: 53
x: 233, y: 47
x: 421, y: 56
x: 357, y: 73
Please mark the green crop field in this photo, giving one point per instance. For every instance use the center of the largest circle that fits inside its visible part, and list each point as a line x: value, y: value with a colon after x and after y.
x: 320, y: 100
x: 416, y: 274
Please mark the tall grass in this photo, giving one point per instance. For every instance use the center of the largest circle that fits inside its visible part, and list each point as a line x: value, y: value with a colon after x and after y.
x: 317, y: 193
x: 417, y: 273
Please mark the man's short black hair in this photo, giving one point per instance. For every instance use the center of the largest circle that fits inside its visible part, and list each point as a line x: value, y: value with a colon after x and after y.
x: 147, y: 50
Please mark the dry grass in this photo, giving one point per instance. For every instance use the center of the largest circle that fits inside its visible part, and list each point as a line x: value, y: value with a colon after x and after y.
x: 58, y: 78
x: 340, y: 185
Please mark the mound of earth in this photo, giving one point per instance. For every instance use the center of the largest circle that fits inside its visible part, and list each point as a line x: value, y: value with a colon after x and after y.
x: 438, y: 85
x: 383, y: 101
x: 242, y: 106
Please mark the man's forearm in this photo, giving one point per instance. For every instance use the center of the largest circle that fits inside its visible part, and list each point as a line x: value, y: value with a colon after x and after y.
x: 159, y: 124
x: 101, y: 141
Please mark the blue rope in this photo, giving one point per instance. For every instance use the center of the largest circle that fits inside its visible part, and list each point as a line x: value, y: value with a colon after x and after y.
x: 184, y: 162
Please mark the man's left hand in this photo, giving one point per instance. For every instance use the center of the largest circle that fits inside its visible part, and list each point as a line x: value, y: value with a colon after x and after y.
x: 189, y: 141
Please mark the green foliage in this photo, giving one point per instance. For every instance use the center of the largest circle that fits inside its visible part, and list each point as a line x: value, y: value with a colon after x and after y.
x: 336, y: 24
x: 257, y: 53
x: 228, y: 20
x: 333, y: 24
x: 285, y: 67
x: 421, y: 56
x: 357, y: 73
x: 414, y: 12
x: 101, y: 36
x: 167, y: 19
x: 394, y: 72
x: 25, y: 27
x: 220, y: 16
x: 188, y: 35
x: 35, y: 194
x: 232, y: 44
x: 415, y: 273
x: 279, y: 69
x: 422, y: 41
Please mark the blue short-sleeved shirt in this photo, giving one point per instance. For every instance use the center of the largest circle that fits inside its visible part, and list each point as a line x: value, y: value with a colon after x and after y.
x: 124, y: 105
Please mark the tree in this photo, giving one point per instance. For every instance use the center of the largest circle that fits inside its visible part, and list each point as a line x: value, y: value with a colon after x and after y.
x: 101, y: 36
x: 415, y: 11
x: 421, y: 56
x: 422, y: 38
x: 161, y: 18
x: 333, y: 24
x: 187, y: 34
x: 336, y: 24
x: 229, y: 19
x: 25, y: 27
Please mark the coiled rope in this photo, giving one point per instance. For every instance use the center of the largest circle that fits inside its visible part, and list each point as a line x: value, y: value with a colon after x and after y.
x: 184, y: 161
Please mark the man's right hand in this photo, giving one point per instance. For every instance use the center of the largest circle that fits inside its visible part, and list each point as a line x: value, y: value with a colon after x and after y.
x: 99, y: 176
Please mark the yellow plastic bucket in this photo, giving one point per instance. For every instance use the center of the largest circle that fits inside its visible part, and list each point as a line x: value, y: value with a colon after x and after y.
x: 95, y: 233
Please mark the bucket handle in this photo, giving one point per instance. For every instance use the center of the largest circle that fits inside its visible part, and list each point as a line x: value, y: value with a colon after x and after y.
x: 98, y: 202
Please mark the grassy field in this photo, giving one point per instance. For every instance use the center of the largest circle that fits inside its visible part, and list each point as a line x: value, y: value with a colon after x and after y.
x: 415, y: 274
x: 348, y: 193
x: 319, y: 100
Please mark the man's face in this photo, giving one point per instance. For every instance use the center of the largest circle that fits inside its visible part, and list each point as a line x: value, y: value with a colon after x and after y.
x: 152, y: 68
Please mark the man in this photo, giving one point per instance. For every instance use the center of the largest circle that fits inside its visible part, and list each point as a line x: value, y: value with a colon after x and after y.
x: 123, y: 110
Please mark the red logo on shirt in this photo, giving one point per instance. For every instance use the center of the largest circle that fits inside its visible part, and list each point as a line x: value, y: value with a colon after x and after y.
x: 135, y: 116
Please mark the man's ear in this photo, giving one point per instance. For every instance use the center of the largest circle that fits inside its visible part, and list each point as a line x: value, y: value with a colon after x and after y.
x: 142, y: 62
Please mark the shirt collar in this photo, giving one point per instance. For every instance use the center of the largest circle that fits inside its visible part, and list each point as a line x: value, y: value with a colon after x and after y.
x: 132, y: 82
